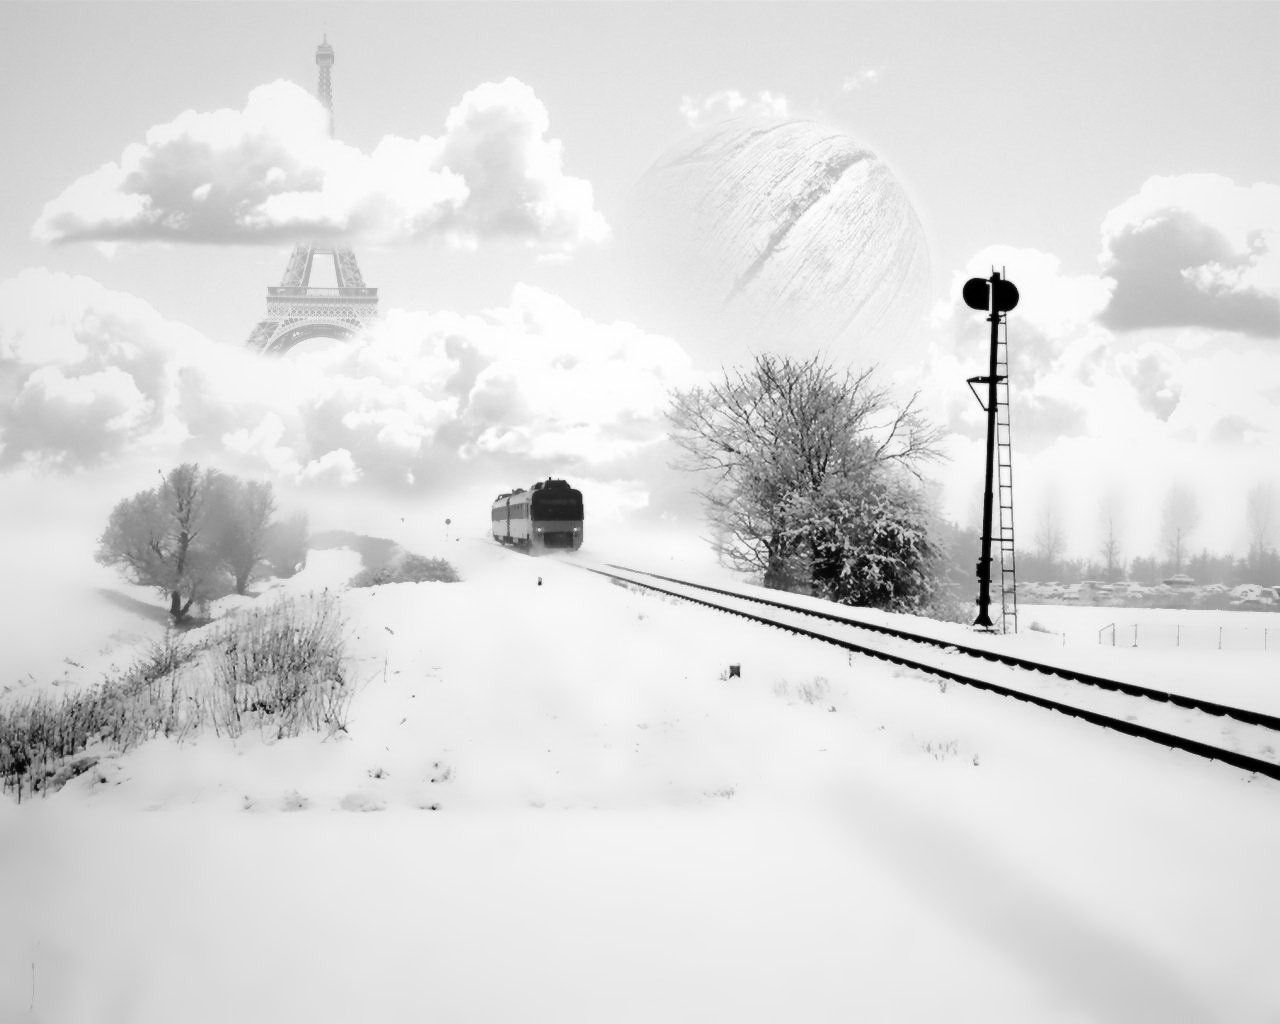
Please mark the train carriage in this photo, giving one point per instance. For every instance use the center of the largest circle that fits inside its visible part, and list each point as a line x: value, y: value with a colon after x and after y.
x: 545, y: 517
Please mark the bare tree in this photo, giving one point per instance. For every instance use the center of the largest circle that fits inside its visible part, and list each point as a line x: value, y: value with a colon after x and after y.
x: 157, y: 538
x: 1180, y: 518
x: 1110, y: 551
x: 1050, y: 542
x: 776, y: 436
x: 242, y: 512
x: 1260, y: 517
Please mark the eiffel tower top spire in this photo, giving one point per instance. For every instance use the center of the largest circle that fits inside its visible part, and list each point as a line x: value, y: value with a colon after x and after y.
x: 324, y: 89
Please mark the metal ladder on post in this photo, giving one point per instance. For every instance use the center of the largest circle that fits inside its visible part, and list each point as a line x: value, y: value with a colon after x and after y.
x: 1004, y: 487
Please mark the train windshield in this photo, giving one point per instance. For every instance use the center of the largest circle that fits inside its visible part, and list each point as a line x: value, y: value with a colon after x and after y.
x: 559, y: 504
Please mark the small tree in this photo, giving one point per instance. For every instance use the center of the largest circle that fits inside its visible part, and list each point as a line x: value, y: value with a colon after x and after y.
x: 1181, y: 517
x: 285, y: 545
x: 1260, y: 519
x: 1113, y: 564
x: 159, y: 538
x: 1049, y: 540
x: 242, y: 512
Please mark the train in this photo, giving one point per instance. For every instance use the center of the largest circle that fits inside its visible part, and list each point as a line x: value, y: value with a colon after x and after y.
x: 545, y: 517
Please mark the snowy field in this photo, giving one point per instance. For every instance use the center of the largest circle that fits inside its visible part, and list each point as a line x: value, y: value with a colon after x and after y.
x: 1159, y: 628
x: 553, y: 805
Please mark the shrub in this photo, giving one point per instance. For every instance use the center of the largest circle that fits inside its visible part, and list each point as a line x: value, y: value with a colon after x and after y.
x: 38, y: 734
x: 280, y: 669
x: 406, y: 567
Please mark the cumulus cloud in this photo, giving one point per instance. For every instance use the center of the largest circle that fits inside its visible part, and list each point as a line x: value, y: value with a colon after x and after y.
x: 94, y: 376
x: 1075, y: 376
x: 1195, y: 250
x: 1056, y: 350
x: 861, y: 80
x: 270, y: 172
x: 726, y: 103
x: 1152, y: 371
x: 83, y: 371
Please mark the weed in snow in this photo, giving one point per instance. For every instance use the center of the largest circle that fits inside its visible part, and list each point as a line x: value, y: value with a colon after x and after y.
x: 294, y: 801
x: 279, y: 670
x: 361, y: 802
x: 940, y: 750
x: 816, y: 692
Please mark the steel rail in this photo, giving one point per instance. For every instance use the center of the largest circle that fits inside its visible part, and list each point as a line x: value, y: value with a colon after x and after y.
x: 1245, y: 715
x: 1172, y: 740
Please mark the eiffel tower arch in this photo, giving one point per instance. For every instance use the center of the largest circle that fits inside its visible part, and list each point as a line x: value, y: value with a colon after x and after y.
x: 297, y: 311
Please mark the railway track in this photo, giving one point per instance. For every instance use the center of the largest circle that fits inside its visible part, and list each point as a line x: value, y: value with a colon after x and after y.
x: 1116, y: 704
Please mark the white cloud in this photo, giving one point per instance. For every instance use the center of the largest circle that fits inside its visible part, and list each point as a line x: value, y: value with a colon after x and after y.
x: 533, y: 385
x: 861, y: 80
x: 337, y: 466
x: 1054, y: 344
x: 731, y: 103
x: 270, y: 172
x: 1196, y: 250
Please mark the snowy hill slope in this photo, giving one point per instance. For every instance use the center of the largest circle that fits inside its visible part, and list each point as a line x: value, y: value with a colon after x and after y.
x: 552, y: 805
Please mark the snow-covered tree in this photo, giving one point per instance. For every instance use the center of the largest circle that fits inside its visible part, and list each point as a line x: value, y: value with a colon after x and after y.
x: 242, y: 511
x: 159, y: 538
x: 798, y: 456
x: 870, y: 545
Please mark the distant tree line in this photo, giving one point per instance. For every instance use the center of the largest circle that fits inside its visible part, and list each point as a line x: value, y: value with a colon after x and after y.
x: 1044, y: 561
x: 201, y: 534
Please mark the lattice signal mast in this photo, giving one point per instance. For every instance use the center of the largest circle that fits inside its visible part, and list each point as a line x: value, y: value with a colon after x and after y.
x: 997, y: 295
x: 296, y: 311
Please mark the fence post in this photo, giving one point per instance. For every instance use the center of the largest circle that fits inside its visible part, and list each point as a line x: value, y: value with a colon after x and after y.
x: 1178, y: 636
x: 1219, y: 638
x: 1135, y: 634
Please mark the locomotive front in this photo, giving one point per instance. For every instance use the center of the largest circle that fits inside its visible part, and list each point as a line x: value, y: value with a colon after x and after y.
x: 548, y: 516
x: 556, y: 515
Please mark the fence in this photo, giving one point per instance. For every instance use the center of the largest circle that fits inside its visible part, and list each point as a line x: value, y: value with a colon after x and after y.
x: 1169, y: 635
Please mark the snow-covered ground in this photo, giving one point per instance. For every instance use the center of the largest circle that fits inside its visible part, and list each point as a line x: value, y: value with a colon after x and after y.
x: 554, y: 805
x: 1157, y: 628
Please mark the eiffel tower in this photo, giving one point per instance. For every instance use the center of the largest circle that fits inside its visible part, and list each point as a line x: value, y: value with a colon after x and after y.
x: 296, y: 311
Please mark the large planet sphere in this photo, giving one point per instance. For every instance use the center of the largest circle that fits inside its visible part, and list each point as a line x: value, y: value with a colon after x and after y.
x: 780, y: 235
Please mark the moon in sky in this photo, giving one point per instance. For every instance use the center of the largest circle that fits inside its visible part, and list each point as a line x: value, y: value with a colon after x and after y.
x: 780, y: 235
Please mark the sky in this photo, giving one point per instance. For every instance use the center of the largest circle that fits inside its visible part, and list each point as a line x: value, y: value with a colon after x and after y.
x: 502, y: 172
